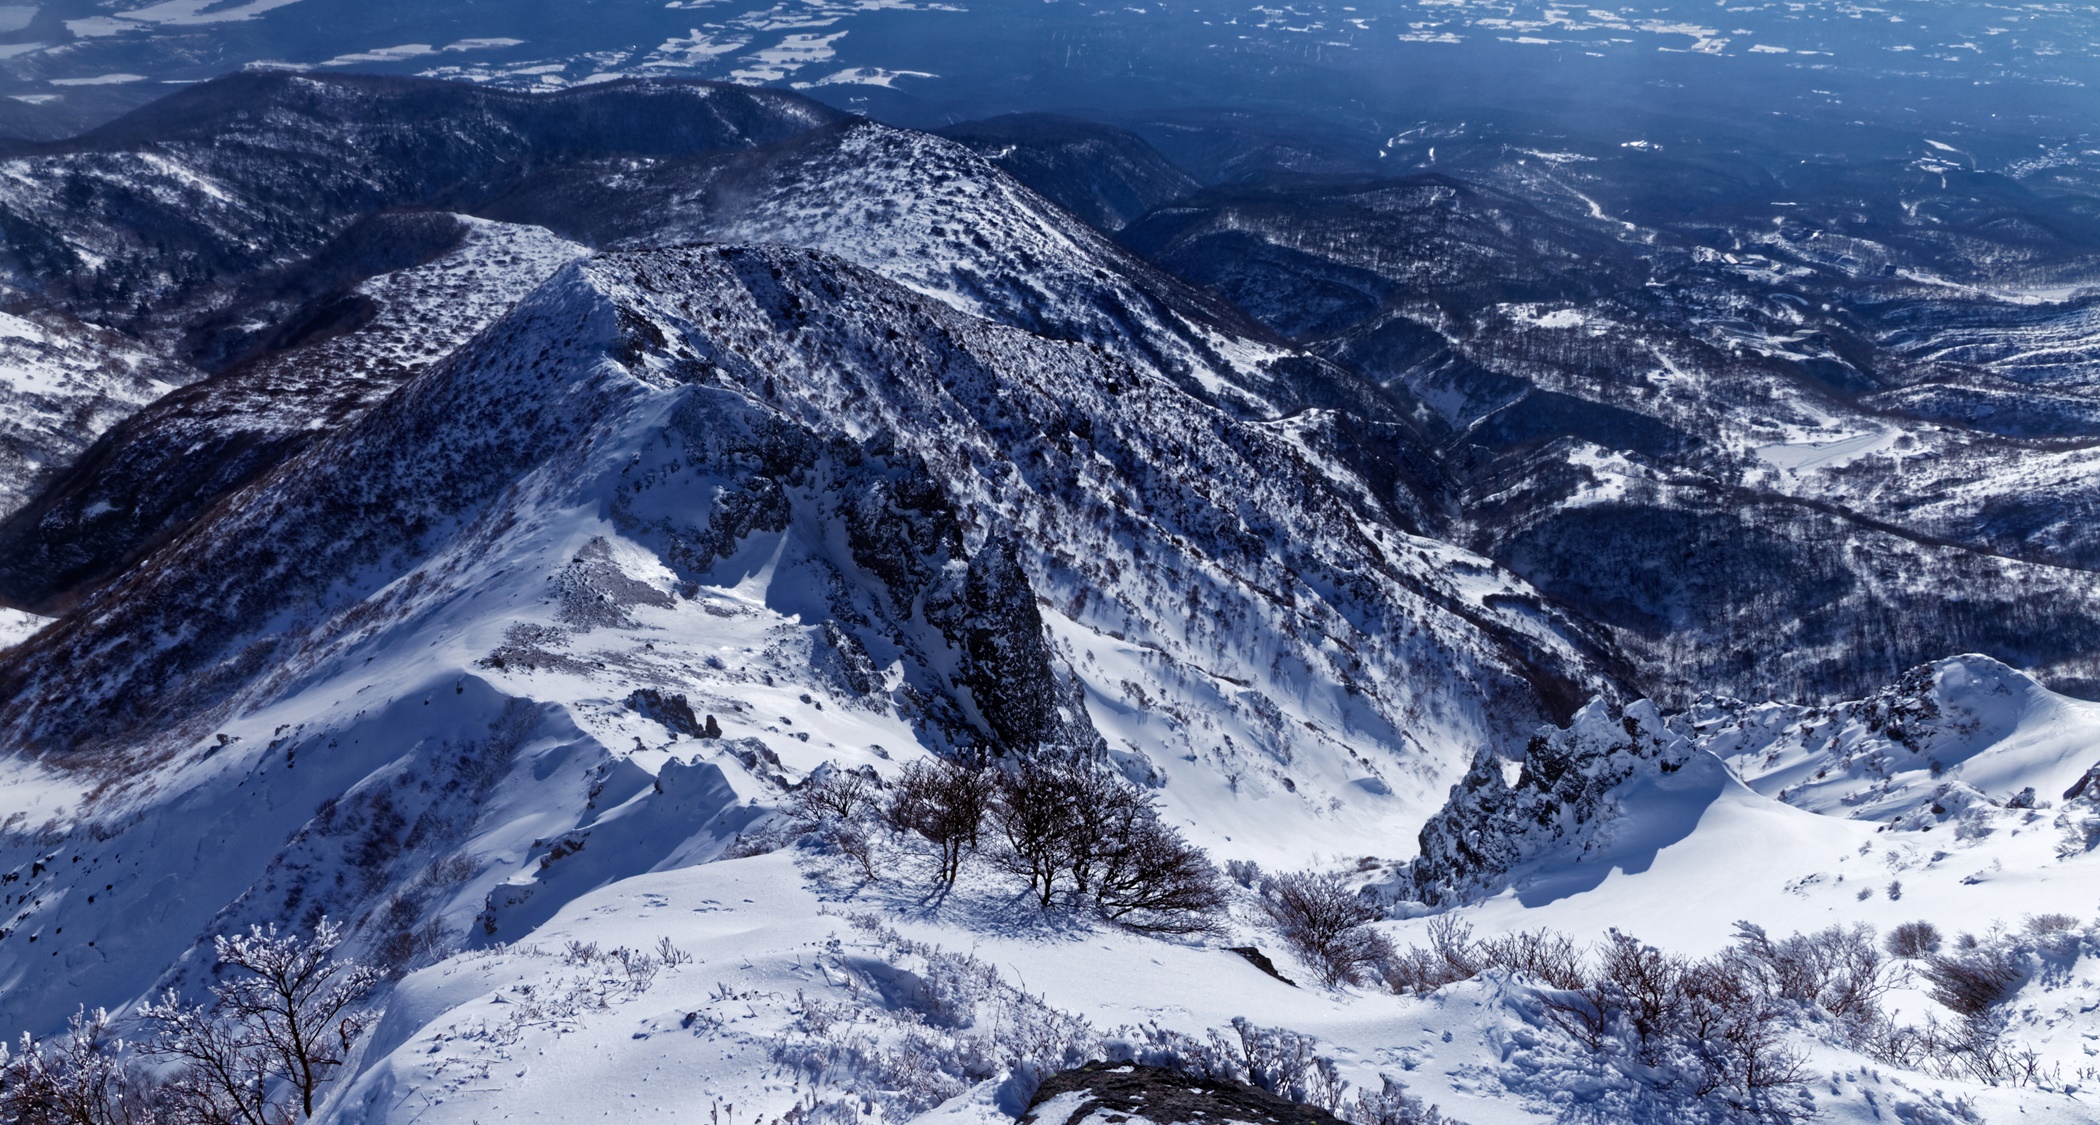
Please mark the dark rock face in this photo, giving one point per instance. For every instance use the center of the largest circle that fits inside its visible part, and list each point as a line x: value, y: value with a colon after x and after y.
x: 1255, y: 957
x: 673, y: 711
x: 1114, y: 1092
x: 900, y: 524
x: 2087, y: 786
x: 1009, y: 672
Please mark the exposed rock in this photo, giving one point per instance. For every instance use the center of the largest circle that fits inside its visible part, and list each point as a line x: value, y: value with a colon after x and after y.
x: 1561, y: 796
x: 1260, y: 960
x: 1103, y: 1093
x: 1009, y: 673
x: 673, y: 712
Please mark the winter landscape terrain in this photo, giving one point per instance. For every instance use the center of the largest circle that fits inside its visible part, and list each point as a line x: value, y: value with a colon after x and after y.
x: 1063, y: 565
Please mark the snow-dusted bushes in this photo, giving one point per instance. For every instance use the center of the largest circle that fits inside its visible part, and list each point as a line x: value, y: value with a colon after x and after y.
x: 278, y: 1028
x: 1393, y: 1105
x: 836, y: 794
x: 81, y: 1078
x: 840, y: 807
x: 1974, y: 981
x: 1274, y: 1059
x: 924, y: 1024
x: 275, y: 1032
x: 1729, y: 1029
x: 1449, y: 957
x: 935, y: 1023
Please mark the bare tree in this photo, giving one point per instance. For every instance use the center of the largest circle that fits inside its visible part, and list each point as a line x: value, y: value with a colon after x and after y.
x: 1037, y: 814
x: 945, y: 802
x: 1973, y: 981
x: 274, y: 1033
x: 1151, y: 879
x: 1071, y: 826
x: 836, y: 805
x: 836, y: 794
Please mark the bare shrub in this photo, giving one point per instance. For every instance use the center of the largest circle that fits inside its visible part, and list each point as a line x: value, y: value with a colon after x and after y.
x: 1392, y: 1105
x: 1037, y: 815
x: 959, y: 1024
x: 1450, y: 957
x: 1153, y: 880
x: 856, y: 843
x: 1642, y: 981
x: 1972, y: 982
x: 1838, y: 969
x: 2042, y: 925
x: 1549, y: 956
x: 1913, y: 941
x: 671, y: 956
x: 1327, y: 925
x: 1277, y: 1060
x: 944, y: 802
x: 640, y: 967
x: 836, y: 794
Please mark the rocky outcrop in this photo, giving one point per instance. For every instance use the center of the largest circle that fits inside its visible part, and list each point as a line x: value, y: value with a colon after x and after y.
x: 1104, y: 1092
x: 1552, y: 802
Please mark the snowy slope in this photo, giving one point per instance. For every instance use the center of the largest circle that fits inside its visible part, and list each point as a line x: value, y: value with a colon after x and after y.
x: 687, y: 470
x: 1812, y: 813
x: 61, y: 384
x: 169, y: 462
x: 1919, y: 804
x: 431, y: 727
x: 137, y: 253
x: 943, y: 220
x: 1969, y: 726
x: 791, y: 1002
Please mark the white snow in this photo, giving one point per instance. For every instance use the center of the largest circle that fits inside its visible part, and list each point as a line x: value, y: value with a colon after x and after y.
x: 1795, y: 457
x: 385, y: 54
x: 18, y: 625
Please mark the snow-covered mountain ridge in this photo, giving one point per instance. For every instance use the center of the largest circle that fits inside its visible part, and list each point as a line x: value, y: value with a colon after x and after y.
x: 505, y: 597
